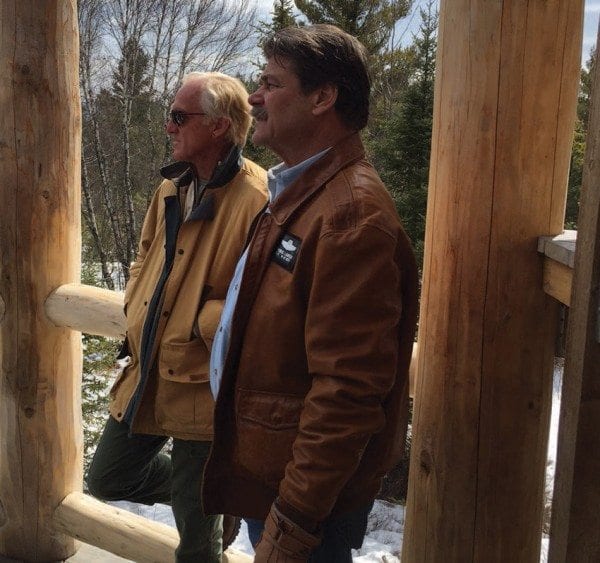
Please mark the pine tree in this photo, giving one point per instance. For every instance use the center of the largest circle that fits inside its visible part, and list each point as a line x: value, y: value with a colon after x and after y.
x: 371, y: 21
x: 402, y: 147
x: 282, y: 16
x: 578, y: 150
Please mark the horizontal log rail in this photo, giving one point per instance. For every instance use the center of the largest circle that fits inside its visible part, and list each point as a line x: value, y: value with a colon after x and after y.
x: 122, y: 533
x: 88, y: 309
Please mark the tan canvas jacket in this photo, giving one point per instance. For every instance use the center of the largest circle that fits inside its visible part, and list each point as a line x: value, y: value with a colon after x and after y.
x: 175, y: 398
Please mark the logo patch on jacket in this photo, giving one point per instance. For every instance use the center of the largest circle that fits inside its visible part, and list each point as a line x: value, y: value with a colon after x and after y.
x: 286, y: 251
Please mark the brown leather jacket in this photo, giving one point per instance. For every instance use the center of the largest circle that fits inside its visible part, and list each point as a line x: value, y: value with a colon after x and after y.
x: 313, y: 401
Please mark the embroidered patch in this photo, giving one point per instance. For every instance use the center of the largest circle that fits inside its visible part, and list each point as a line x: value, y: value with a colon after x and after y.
x: 286, y: 251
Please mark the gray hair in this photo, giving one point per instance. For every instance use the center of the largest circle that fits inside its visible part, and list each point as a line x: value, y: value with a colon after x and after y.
x: 224, y: 96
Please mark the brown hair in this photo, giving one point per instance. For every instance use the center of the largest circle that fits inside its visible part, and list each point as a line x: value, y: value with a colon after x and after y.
x: 324, y: 54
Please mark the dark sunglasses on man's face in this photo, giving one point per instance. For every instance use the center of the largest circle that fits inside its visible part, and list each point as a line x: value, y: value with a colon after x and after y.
x: 179, y: 117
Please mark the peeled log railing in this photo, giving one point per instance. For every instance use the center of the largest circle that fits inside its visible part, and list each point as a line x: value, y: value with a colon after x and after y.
x: 91, y: 310
x: 122, y: 532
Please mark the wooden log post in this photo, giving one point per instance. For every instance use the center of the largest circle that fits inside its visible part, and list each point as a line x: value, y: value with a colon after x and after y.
x: 505, y: 95
x: 575, y: 531
x: 40, y: 249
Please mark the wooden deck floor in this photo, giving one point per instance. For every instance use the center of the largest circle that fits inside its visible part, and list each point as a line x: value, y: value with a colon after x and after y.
x: 85, y: 554
x: 91, y: 554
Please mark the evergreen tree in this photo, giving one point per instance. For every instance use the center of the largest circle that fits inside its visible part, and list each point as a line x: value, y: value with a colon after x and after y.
x: 402, y: 148
x: 282, y: 16
x: 371, y: 21
x: 131, y: 78
x: 578, y: 150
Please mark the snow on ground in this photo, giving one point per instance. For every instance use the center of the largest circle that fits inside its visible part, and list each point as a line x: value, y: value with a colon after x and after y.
x: 383, y: 541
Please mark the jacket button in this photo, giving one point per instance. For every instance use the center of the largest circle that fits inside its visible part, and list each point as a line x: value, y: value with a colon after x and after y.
x: 180, y: 251
x: 145, y: 303
x: 119, y: 415
x: 171, y: 372
x: 166, y: 314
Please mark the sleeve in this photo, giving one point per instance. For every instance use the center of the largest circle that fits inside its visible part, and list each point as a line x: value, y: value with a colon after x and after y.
x: 352, y: 347
x: 208, y: 320
x: 147, y: 236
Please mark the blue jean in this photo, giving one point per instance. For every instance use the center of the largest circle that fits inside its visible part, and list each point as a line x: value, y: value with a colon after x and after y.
x: 340, y: 535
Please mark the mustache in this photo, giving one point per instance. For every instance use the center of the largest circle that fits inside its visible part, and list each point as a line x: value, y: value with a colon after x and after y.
x: 258, y: 113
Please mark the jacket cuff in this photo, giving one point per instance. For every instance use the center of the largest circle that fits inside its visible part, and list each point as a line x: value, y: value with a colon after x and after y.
x: 293, y: 514
x: 287, y: 536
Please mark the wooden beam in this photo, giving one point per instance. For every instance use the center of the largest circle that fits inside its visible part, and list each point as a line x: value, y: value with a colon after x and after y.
x: 559, y: 252
x: 575, y: 527
x: 504, y: 109
x: 88, y: 309
x: 560, y: 248
x: 122, y: 533
x: 41, y: 440
x: 558, y: 280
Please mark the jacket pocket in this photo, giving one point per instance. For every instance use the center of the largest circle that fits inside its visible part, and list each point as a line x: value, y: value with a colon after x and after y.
x: 267, y: 427
x: 185, y: 362
x: 123, y: 367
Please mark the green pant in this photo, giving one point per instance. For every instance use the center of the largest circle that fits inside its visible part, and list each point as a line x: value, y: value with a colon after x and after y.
x: 131, y: 467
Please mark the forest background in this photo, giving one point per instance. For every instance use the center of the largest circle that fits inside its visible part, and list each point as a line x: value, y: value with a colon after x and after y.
x: 133, y: 54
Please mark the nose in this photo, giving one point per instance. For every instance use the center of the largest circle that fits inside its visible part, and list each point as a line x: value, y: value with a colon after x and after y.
x: 256, y: 98
x: 170, y: 127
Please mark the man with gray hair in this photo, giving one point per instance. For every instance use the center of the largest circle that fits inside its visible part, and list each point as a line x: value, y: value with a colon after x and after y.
x: 193, y: 234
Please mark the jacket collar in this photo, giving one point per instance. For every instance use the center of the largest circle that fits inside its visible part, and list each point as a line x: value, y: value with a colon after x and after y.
x: 348, y: 150
x: 182, y: 173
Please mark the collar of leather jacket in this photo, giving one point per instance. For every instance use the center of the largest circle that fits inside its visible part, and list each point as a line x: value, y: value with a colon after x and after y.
x: 345, y: 152
x: 182, y: 173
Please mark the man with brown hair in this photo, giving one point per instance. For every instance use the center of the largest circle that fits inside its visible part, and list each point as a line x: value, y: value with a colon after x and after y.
x: 310, y: 363
x: 193, y: 234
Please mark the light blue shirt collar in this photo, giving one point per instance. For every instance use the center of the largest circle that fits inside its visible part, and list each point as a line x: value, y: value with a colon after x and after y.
x: 280, y: 176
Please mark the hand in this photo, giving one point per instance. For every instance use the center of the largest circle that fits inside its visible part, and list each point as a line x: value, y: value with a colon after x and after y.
x: 283, y: 541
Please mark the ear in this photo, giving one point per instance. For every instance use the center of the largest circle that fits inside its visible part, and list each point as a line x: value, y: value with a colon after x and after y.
x: 220, y: 127
x: 324, y: 98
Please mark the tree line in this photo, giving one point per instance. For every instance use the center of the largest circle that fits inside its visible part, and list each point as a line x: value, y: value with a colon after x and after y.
x: 133, y: 54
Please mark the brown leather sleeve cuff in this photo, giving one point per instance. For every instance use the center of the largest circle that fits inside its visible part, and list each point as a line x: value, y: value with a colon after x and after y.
x: 288, y: 536
x: 309, y: 524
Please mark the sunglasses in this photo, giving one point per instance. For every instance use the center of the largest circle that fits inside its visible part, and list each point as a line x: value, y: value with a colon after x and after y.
x: 179, y: 117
